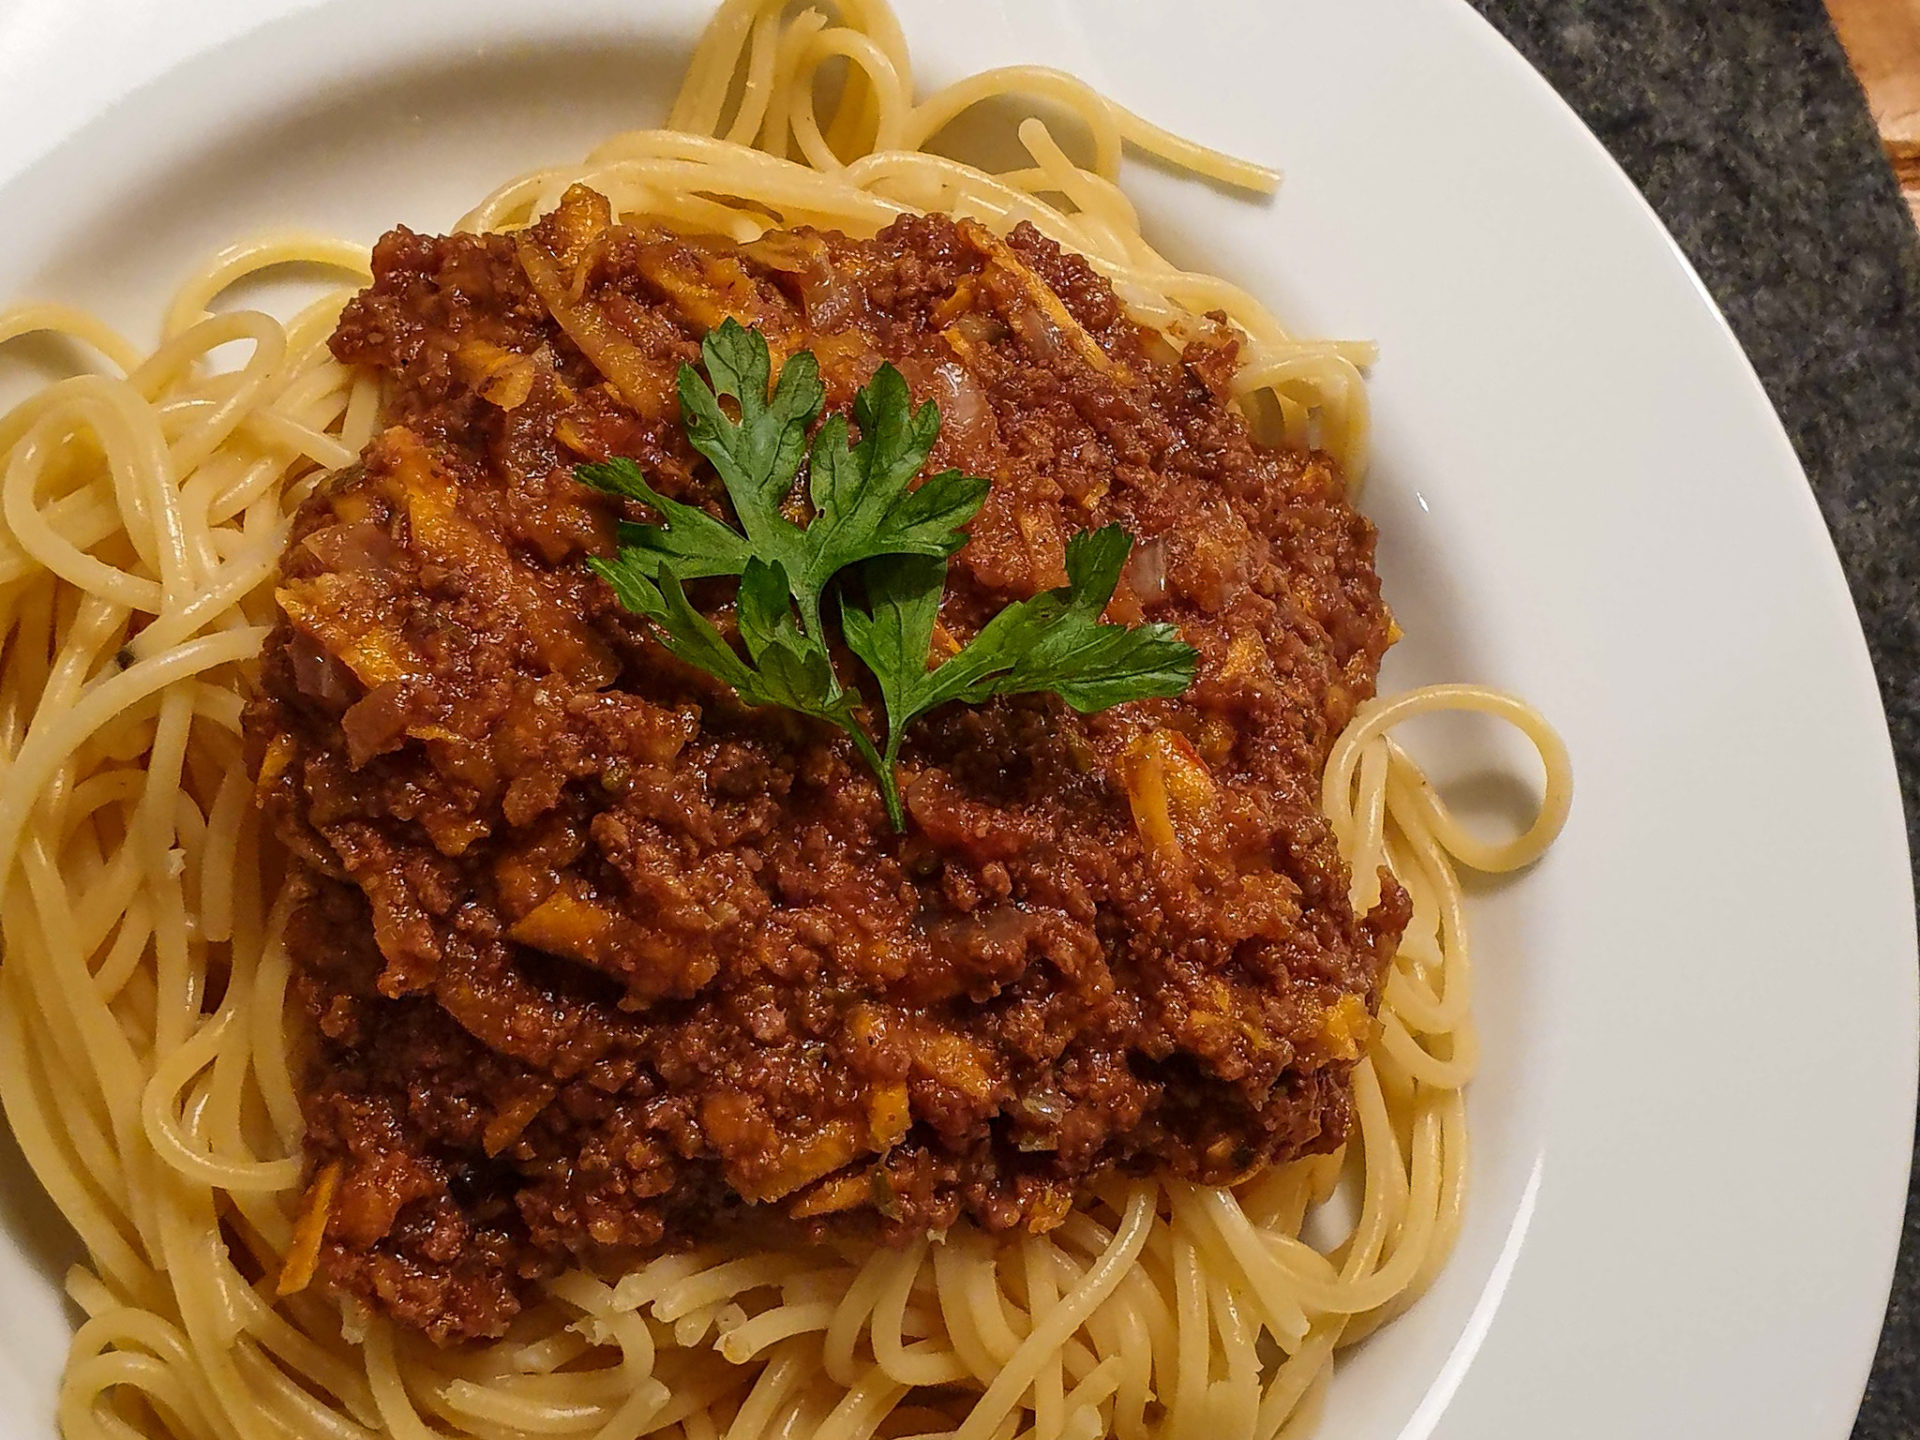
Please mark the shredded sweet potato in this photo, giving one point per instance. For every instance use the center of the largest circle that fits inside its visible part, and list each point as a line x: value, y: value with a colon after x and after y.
x: 303, y: 1255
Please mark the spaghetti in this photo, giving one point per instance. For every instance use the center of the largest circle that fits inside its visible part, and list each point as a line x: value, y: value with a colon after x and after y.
x: 146, y: 1063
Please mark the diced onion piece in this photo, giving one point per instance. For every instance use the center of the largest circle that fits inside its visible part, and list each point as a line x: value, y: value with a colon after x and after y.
x: 499, y: 376
x: 597, y: 337
x: 1047, y: 304
x: 579, y: 221
x: 1147, y: 570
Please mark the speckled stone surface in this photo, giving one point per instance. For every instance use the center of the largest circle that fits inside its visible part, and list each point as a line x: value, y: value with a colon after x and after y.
x: 1742, y: 124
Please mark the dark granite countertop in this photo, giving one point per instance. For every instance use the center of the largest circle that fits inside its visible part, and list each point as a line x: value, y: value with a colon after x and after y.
x: 1741, y: 122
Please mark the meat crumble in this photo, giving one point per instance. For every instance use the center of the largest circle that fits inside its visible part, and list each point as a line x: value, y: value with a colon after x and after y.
x: 596, y: 960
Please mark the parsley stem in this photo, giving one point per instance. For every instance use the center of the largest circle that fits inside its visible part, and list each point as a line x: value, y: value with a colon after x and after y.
x: 883, y: 772
x: 867, y: 512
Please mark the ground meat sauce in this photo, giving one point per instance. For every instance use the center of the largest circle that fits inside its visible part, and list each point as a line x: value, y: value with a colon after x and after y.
x: 597, y: 960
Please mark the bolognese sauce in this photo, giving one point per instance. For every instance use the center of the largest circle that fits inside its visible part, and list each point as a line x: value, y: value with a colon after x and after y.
x: 597, y: 960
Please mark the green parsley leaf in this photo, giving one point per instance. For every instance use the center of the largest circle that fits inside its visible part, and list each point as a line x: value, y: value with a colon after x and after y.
x: 691, y: 542
x: 756, y: 458
x: 762, y: 609
x: 867, y: 514
x: 1057, y: 642
x: 862, y: 506
x: 1054, y: 642
x: 758, y: 455
x: 786, y: 670
x: 893, y: 636
x: 682, y: 630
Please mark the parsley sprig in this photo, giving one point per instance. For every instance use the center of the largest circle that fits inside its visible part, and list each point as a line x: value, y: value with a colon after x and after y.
x: 867, y: 520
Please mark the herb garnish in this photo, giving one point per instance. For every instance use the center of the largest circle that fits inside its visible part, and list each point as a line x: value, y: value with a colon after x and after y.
x: 868, y: 520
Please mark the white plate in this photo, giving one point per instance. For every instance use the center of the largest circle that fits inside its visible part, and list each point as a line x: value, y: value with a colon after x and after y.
x: 1693, y: 1125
